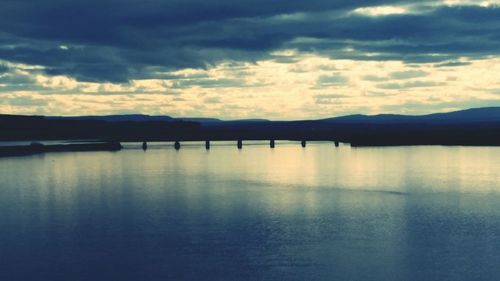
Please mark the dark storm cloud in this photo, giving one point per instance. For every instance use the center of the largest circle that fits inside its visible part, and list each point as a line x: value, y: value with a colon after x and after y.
x: 120, y: 40
x: 3, y: 69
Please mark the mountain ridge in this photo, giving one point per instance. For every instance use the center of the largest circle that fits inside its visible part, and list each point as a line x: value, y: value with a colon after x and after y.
x: 481, y: 114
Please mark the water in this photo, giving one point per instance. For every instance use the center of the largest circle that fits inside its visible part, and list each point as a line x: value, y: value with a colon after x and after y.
x: 319, y: 213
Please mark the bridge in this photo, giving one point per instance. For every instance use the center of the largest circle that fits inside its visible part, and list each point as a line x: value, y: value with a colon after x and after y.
x: 239, y: 144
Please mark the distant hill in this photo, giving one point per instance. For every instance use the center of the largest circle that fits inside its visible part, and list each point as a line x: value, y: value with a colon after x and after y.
x: 475, y: 115
x: 149, y: 118
x: 116, y: 118
x: 201, y: 120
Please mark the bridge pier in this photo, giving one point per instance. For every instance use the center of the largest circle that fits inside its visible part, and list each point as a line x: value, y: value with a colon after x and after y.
x: 177, y: 145
x: 207, y: 145
x: 240, y: 144
x: 271, y: 143
x: 303, y: 143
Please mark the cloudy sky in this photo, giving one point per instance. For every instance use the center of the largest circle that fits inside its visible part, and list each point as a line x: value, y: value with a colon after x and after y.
x: 275, y: 59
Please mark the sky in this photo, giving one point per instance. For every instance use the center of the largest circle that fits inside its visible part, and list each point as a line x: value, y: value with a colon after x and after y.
x: 273, y: 59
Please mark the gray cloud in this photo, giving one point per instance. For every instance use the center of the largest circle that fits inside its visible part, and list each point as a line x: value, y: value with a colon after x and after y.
x: 213, y: 83
x: 374, y: 78
x: 24, y: 101
x: 408, y: 85
x: 334, y: 80
x: 212, y: 100
x: 402, y: 75
x: 120, y: 40
x: 11, y: 82
x: 329, y: 98
x: 452, y: 64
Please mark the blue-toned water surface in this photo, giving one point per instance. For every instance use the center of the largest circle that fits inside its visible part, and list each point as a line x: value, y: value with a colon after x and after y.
x: 289, y: 213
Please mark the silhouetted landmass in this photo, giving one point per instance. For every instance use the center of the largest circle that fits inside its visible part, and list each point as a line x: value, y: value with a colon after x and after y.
x: 15, y: 127
x: 479, y: 126
x: 36, y: 148
x: 474, y: 115
x: 202, y: 120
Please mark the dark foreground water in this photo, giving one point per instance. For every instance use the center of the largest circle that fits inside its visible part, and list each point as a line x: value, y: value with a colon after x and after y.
x: 320, y: 213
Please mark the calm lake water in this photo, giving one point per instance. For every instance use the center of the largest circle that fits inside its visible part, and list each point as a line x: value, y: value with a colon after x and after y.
x: 319, y: 213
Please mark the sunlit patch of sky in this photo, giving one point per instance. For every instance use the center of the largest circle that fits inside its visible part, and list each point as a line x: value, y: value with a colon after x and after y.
x: 382, y: 10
